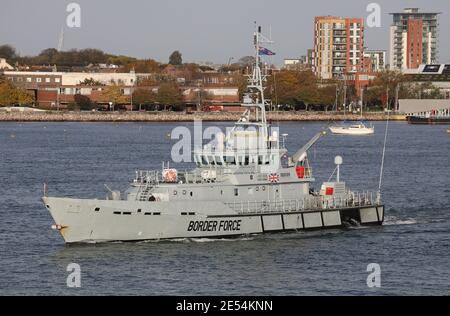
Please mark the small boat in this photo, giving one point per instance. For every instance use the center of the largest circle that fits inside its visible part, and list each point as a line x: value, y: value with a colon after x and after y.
x: 354, y: 129
x: 357, y: 128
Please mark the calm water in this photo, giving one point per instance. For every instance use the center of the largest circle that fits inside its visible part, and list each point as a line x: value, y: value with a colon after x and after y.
x: 77, y: 159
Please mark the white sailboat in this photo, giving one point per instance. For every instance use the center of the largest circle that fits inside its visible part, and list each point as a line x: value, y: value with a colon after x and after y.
x: 355, y: 128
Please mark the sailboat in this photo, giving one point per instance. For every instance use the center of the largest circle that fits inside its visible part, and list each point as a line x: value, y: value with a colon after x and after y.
x: 356, y: 128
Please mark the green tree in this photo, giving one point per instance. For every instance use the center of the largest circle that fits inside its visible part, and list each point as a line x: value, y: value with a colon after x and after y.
x: 169, y: 94
x: 175, y: 58
x: 8, y: 52
x: 83, y: 102
x: 91, y: 82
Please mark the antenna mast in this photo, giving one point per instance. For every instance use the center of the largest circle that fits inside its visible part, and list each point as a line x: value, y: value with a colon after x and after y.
x: 61, y: 39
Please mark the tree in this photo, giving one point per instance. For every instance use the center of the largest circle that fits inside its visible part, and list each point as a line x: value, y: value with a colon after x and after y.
x: 143, y: 66
x: 113, y: 93
x: 7, y: 52
x: 91, y: 82
x: 10, y: 95
x: 175, y: 58
x: 246, y: 61
x: 169, y: 94
x: 294, y: 88
x: 83, y: 102
x: 144, y: 96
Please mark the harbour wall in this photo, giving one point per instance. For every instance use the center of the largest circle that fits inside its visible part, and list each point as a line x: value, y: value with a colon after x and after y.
x: 29, y: 116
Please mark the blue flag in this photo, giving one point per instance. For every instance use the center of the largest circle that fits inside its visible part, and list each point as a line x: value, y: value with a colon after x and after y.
x: 265, y: 51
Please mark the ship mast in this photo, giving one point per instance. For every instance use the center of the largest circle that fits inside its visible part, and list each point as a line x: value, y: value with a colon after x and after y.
x: 253, y: 99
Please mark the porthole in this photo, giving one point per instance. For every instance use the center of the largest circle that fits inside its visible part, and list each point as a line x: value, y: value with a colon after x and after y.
x: 263, y: 188
x: 251, y: 177
x: 175, y: 192
x: 184, y: 192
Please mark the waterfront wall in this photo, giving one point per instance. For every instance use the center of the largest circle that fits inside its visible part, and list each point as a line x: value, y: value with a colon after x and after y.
x: 179, y: 116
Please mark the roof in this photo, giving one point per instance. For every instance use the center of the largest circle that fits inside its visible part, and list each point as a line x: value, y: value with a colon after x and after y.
x: 416, y: 105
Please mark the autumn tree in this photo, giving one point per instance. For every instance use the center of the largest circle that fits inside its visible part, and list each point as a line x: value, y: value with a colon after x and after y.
x: 169, y: 94
x: 293, y: 88
x: 384, y: 86
x: 144, y: 96
x: 175, y: 58
x: 113, y: 93
x: 10, y: 95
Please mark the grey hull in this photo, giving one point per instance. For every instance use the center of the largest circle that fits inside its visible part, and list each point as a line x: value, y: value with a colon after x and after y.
x: 87, y: 220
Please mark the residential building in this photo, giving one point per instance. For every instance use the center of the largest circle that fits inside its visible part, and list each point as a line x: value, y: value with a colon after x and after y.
x: 376, y: 60
x: 338, y: 46
x: 413, y: 39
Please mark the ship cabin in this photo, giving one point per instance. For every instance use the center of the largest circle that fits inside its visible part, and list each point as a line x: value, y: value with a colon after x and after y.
x: 249, y: 148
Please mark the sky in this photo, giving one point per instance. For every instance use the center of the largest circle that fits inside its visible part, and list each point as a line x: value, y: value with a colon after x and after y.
x: 202, y: 30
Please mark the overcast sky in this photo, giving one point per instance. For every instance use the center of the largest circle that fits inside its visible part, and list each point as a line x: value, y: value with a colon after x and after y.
x: 203, y: 30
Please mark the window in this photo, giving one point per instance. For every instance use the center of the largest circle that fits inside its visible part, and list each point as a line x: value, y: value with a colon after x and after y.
x: 38, y: 79
x: 97, y: 209
x: 28, y: 79
x: 139, y: 210
x: 236, y: 192
x: 57, y: 80
x: 126, y: 213
x: 117, y: 213
x: 157, y: 213
x: 183, y: 213
x: 47, y: 80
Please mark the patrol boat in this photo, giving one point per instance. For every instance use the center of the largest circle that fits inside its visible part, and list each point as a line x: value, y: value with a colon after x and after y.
x: 245, y: 183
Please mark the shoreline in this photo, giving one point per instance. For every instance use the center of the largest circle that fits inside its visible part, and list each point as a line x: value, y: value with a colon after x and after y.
x: 16, y: 116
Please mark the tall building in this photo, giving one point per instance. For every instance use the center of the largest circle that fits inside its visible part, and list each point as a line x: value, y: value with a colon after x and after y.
x: 376, y: 60
x: 414, y: 39
x: 338, y: 46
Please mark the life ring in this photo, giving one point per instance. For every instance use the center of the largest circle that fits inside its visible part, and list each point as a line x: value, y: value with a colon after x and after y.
x: 170, y: 175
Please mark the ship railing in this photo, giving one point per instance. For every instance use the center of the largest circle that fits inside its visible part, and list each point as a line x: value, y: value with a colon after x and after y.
x: 351, y: 199
x: 147, y: 177
x: 154, y: 177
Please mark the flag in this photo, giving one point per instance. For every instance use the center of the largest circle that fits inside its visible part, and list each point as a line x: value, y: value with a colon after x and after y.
x: 273, y: 177
x: 265, y: 51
